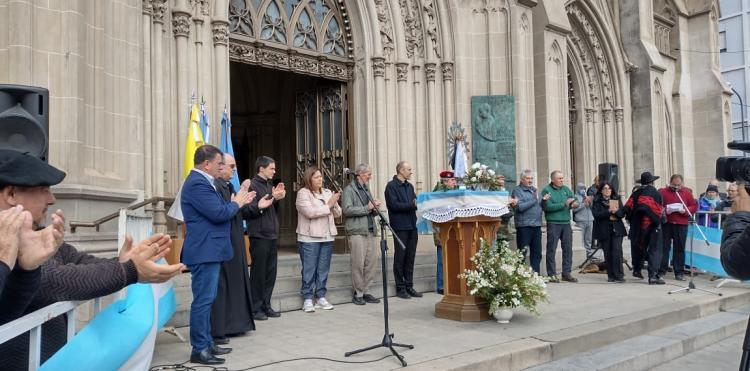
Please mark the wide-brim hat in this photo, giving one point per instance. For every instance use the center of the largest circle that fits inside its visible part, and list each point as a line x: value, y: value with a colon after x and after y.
x: 25, y: 170
x: 647, y: 177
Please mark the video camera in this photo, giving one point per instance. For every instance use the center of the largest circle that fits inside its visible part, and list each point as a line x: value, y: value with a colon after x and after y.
x: 734, y: 168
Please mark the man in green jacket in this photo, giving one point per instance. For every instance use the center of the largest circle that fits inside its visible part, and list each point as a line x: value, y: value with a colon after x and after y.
x: 557, y: 201
x: 361, y: 231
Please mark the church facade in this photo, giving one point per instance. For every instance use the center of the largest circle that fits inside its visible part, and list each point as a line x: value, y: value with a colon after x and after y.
x: 339, y: 82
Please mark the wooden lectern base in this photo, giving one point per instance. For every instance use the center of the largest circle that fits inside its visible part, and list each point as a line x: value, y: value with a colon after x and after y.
x: 461, y: 239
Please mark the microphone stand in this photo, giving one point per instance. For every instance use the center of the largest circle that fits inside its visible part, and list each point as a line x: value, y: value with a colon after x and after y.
x: 691, y: 284
x: 387, y: 341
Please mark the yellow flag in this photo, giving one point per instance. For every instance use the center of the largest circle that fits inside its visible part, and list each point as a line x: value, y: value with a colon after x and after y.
x: 194, y: 140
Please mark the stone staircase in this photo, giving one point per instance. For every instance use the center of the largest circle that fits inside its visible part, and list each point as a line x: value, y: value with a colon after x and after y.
x: 286, y: 296
x: 657, y: 345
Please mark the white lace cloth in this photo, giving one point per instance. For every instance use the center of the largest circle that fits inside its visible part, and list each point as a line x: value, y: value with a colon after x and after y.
x: 440, y: 207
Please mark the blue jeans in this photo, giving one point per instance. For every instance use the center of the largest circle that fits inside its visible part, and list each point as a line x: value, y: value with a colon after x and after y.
x: 316, y: 262
x: 205, y: 282
x: 439, y: 277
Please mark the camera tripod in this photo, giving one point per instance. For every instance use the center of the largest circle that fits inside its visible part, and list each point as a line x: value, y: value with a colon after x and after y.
x: 691, y: 284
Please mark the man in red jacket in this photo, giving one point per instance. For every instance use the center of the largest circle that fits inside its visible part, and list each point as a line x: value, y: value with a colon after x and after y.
x: 675, y: 198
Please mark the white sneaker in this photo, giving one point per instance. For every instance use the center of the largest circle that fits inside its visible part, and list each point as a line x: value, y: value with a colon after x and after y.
x: 323, y: 304
x: 308, y: 306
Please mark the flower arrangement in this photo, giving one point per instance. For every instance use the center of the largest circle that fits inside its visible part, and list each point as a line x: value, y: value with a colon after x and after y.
x: 480, y: 177
x: 501, y: 277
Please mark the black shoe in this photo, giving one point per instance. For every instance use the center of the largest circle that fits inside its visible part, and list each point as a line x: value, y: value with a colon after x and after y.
x: 413, y: 293
x: 620, y: 280
x: 358, y: 300
x: 370, y: 299
x: 221, y: 340
x: 655, y: 281
x: 569, y: 278
x: 611, y: 280
x: 679, y: 277
x: 403, y: 294
x: 272, y: 313
x: 638, y: 275
x: 260, y: 316
x: 440, y: 292
x: 217, y: 350
x: 205, y: 358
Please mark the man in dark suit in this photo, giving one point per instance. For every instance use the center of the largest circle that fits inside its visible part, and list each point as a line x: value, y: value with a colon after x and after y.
x: 401, y: 201
x: 207, y: 243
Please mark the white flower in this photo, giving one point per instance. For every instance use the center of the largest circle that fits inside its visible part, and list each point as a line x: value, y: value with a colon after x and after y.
x: 473, y: 179
x: 476, y: 165
x: 483, y: 167
x: 492, y: 172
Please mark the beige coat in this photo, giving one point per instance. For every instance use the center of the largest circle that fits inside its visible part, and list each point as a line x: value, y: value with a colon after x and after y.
x: 314, y: 217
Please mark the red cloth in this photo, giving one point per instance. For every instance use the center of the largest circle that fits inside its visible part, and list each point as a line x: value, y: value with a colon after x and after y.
x: 669, y: 196
x: 648, y: 207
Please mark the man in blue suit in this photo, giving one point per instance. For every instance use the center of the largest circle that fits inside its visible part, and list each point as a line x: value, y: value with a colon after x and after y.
x: 207, y: 243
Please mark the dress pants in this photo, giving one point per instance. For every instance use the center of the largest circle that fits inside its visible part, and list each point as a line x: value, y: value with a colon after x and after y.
x: 363, y: 259
x: 204, y: 284
x: 675, y: 236
x: 563, y: 233
x: 403, y: 260
x: 529, y: 241
x: 263, y: 272
x: 649, y: 247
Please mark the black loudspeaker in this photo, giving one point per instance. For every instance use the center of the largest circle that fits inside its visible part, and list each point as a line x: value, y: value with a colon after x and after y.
x: 610, y: 173
x: 24, y: 119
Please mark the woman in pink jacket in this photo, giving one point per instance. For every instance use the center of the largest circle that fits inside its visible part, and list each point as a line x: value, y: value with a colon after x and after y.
x: 316, y: 230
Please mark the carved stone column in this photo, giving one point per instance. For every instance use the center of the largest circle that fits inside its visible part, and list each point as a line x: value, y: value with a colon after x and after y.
x: 181, y: 30
x: 434, y: 128
x: 609, y: 138
x: 403, y: 131
x: 620, y: 133
x: 148, y: 175
x: 417, y: 152
x: 197, y: 76
x: 448, y: 96
x: 220, y: 34
x: 159, y: 9
x: 381, y: 144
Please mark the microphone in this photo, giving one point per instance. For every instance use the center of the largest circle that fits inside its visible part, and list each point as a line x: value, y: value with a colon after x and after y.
x: 349, y: 172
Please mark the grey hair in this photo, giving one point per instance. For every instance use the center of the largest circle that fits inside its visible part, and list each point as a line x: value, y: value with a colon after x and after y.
x: 552, y: 174
x: 527, y: 172
x: 400, y: 165
x: 361, y: 168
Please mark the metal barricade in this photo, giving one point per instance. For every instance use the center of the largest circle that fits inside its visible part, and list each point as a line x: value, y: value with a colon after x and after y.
x: 706, y: 220
x: 32, y: 323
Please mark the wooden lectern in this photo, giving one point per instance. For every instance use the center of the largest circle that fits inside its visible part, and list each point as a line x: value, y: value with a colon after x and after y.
x: 460, y: 239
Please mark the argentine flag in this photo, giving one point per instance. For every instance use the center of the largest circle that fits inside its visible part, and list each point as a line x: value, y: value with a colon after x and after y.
x: 123, y: 335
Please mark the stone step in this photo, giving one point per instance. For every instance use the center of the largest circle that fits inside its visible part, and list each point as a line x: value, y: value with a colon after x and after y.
x: 542, y: 349
x: 657, y: 347
x: 286, y: 295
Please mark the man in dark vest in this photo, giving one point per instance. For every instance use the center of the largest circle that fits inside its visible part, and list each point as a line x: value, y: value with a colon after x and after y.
x: 645, y: 212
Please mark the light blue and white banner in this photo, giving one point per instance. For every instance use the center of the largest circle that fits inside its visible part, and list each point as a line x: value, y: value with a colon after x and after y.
x: 706, y: 256
x: 122, y: 336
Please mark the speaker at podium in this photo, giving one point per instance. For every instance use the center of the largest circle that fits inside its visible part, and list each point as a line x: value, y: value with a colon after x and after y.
x: 610, y: 173
x: 24, y: 119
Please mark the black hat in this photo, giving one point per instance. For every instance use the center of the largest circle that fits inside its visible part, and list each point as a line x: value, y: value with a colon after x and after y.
x: 25, y: 170
x: 647, y: 178
x: 712, y: 187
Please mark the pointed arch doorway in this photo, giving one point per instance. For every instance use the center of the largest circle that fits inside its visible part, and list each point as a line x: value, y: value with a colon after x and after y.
x: 290, y: 72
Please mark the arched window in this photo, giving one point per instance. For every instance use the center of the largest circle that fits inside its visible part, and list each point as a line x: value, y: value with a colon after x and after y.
x: 319, y: 26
